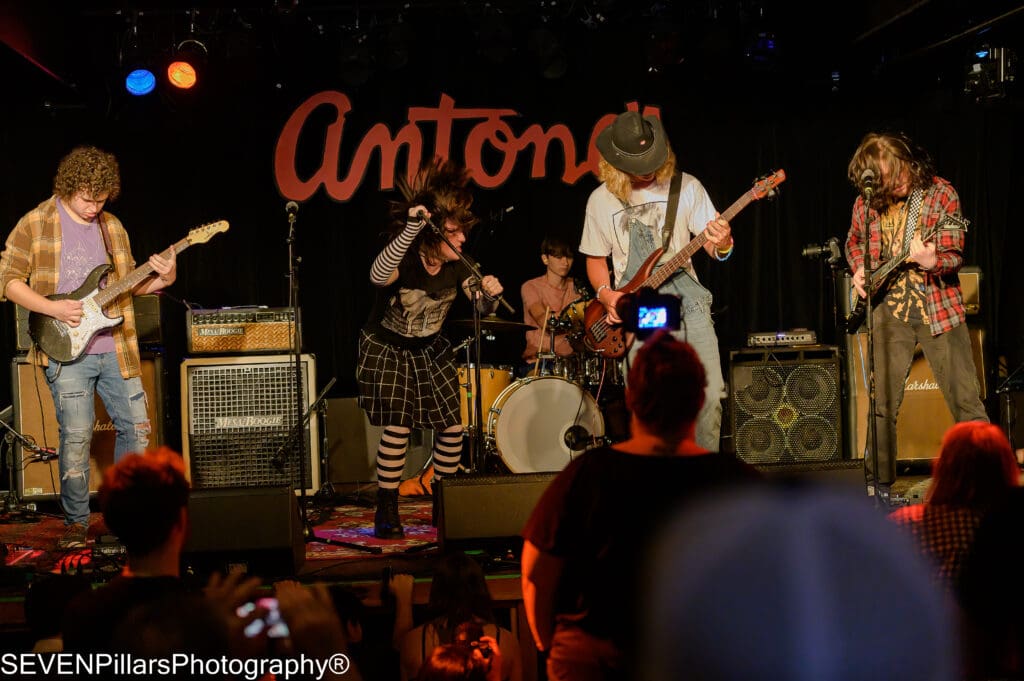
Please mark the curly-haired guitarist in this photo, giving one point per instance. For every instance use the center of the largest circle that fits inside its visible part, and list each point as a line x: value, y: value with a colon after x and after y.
x: 54, y: 249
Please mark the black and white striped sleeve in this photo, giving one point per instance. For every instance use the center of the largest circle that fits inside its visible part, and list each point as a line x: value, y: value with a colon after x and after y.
x: 388, y: 259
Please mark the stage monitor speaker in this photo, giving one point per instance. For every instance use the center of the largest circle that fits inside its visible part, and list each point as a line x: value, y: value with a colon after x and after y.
x: 785, y: 404
x: 35, y: 417
x: 256, y: 530
x: 238, y: 418
x: 924, y: 415
x: 475, y: 508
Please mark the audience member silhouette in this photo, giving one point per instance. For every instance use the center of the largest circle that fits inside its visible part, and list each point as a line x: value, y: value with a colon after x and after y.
x: 585, y: 537
x: 46, y: 600
x: 458, y: 595
x: 792, y: 582
x: 461, y: 662
x: 974, y: 470
x: 991, y: 601
x: 144, y: 499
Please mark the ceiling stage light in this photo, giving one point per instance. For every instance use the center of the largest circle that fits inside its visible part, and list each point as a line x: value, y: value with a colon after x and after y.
x: 140, y: 82
x: 181, y: 74
x: 189, y: 58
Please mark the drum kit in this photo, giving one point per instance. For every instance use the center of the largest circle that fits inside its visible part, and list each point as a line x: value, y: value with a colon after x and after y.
x: 540, y: 422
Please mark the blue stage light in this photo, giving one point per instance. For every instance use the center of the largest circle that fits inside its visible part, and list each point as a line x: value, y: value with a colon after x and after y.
x: 140, y: 82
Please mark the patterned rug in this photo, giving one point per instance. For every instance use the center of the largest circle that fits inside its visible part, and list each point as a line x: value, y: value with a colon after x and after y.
x: 353, y: 525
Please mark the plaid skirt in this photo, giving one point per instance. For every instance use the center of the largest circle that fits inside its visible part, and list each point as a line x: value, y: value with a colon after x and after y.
x: 414, y: 388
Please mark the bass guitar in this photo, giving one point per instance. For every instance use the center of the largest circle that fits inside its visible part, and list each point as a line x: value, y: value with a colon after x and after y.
x: 66, y: 343
x: 610, y: 340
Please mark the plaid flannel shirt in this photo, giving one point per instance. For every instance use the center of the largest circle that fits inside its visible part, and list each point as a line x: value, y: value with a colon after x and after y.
x: 32, y: 255
x: 940, y: 210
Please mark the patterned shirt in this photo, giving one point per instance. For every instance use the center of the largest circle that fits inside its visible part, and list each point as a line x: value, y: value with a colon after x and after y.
x: 905, y: 298
x: 33, y: 255
x: 940, y: 222
x: 943, y: 534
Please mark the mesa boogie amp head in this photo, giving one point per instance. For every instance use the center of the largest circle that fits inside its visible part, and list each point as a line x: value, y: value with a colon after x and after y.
x: 240, y: 329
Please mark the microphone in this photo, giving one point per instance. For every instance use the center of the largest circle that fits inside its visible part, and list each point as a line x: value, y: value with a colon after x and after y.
x: 577, y: 438
x: 291, y: 208
x: 867, y: 182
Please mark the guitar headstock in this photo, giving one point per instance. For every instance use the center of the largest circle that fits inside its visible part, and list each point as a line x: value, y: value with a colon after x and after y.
x: 203, y: 233
x: 765, y: 186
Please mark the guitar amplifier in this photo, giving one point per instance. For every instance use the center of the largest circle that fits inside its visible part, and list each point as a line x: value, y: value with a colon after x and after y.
x: 241, y: 329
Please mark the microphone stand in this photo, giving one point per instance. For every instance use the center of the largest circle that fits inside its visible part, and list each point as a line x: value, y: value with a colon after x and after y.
x: 13, y: 509
x: 872, y: 435
x: 308, y: 534
x: 476, y: 457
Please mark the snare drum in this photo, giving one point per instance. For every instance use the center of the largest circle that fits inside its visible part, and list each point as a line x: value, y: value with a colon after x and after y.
x: 494, y: 379
x: 535, y: 420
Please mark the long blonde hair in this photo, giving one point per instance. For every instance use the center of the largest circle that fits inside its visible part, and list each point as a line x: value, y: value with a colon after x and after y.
x: 620, y: 183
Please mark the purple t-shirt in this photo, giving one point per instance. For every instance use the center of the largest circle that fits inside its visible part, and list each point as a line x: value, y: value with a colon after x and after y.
x: 81, y: 251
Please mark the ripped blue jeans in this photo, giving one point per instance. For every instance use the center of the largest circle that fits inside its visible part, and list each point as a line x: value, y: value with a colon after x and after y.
x: 73, y: 387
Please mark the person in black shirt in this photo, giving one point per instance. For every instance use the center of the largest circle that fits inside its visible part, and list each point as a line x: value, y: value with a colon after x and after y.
x: 406, y: 373
x: 587, y: 537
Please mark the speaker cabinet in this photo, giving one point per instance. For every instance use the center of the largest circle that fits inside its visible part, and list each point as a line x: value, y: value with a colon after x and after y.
x: 352, y: 444
x: 256, y: 530
x: 239, y: 418
x: 924, y: 415
x: 35, y: 417
x: 784, y: 404
x: 476, y: 508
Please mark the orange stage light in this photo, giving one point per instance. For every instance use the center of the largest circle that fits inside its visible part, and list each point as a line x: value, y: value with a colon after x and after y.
x: 181, y: 74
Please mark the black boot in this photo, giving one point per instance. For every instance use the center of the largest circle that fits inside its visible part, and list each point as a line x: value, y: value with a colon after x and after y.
x: 386, y: 523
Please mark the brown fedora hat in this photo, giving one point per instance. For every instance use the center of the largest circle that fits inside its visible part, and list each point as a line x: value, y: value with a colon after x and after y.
x: 634, y: 144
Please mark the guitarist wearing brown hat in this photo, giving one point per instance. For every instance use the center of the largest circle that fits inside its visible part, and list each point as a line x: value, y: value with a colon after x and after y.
x: 626, y: 220
x: 916, y: 242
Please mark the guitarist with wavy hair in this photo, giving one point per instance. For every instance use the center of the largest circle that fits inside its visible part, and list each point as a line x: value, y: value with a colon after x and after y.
x: 52, y: 250
x: 626, y: 220
x: 916, y: 229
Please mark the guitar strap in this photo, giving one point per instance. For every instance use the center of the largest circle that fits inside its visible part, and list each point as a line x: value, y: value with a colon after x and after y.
x: 913, y: 213
x: 673, y: 208
x: 106, y: 238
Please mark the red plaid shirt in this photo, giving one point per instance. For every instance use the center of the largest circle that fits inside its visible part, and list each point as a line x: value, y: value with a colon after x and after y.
x: 940, y: 210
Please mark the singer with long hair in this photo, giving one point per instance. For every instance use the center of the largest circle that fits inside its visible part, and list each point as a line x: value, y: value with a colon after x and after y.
x: 406, y: 373
x: 915, y: 216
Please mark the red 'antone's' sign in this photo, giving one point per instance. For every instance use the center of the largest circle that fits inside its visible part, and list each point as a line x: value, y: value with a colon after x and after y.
x: 490, y: 130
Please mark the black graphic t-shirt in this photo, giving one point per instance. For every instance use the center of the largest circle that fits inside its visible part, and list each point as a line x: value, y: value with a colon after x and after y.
x: 410, y: 312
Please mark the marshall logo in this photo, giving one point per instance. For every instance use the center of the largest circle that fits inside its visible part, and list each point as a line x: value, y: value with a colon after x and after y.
x: 224, y: 422
x: 490, y: 134
x: 922, y: 385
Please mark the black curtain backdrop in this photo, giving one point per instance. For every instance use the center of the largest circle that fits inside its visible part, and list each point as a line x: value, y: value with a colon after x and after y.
x: 187, y: 160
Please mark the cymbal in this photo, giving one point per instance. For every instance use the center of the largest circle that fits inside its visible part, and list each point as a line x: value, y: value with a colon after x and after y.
x: 494, y: 324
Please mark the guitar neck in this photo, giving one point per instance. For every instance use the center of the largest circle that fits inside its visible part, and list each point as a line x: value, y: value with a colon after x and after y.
x: 135, y: 277
x: 661, y: 275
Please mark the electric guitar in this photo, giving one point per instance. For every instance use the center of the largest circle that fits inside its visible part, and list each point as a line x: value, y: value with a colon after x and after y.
x: 881, y: 280
x: 610, y: 340
x: 66, y: 343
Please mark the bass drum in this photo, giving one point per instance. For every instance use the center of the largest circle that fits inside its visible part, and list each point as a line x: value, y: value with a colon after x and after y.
x: 534, y: 421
